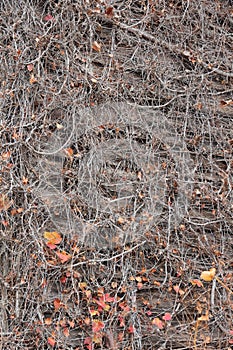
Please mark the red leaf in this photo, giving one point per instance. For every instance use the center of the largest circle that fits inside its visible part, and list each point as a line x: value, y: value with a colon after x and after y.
x: 51, y: 246
x: 177, y: 289
x: 71, y: 323
x: 51, y: 341
x: 109, y: 11
x: 30, y: 67
x: 196, y: 282
x: 63, y: 279
x: 158, y: 323
x: 63, y: 256
x: 97, y: 326
x: 88, y: 343
x: 57, y: 304
x: 48, y: 18
x: 124, y: 306
x: 122, y: 321
x: 87, y: 340
x: 140, y: 285
x: 167, y: 316
x: 131, y: 329
x: 107, y: 298
x: 102, y: 304
x: 66, y: 332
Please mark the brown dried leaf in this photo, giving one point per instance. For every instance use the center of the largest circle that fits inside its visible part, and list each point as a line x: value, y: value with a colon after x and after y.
x: 5, y: 203
x: 96, y: 46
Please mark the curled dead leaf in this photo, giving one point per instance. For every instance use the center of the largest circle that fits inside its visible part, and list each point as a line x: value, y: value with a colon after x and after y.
x: 96, y: 46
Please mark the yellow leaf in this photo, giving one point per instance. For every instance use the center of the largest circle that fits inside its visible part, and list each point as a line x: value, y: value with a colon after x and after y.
x: 208, y: 276
x: 53, y: 237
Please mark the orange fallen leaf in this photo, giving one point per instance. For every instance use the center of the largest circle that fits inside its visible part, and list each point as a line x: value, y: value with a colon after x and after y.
x: 121, y: 320
x: 48, y: 321
x: 97, y: 338
x: 51, y: 341
x: 32, y: 79
x: 71, y: 323
x: 63, y: 279
x: 53, y: 237
x: 97, y: 326
x: 89, y: 344
x: 24, y: 180
x: 88, y: 294
x: 57, y: 304
x: 82, y: 285
x: 177, y: 289
x: 196, y: 282
x: 66, y: 332
x: 16, y: 211
x: 63, y: 256
x: 6, y: 155
x: 108, y: 298
x: 69, y: 152
x: 224, y: 103
x: 138, y: 279
x: 87, y: 321
x: 51, y: 246
x: 158, y: 323
x: 94, y: 312
x: 102, y: 304
x: 208, y: 276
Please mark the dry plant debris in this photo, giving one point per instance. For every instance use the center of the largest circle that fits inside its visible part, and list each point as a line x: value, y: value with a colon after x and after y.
x: 169, y: 284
